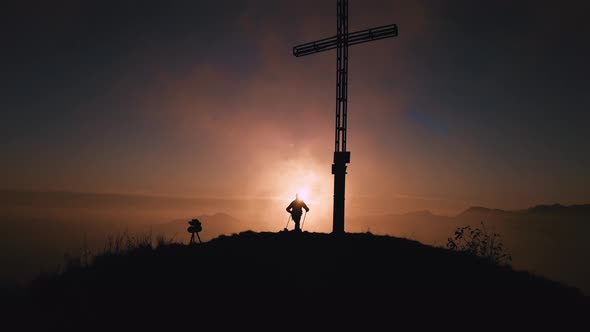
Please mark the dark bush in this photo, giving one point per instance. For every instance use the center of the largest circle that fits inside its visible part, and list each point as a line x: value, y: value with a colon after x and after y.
x: 479, y: 242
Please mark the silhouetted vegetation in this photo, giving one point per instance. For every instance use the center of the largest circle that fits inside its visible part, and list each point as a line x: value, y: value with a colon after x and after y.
x: 116, y: 244
x: 480, y: 242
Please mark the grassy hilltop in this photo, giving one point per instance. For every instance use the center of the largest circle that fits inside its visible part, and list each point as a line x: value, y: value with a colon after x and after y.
x: 288, y: 278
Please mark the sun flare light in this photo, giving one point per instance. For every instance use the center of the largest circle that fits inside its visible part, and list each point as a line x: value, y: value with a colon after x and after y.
x: 304, y: 193
x: 282, y: 180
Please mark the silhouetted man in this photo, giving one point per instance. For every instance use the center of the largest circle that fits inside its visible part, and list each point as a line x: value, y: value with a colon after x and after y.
x: 295, y: 209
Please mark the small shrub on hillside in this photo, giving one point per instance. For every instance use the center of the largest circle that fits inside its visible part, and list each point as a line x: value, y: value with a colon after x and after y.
x: 479, y: 242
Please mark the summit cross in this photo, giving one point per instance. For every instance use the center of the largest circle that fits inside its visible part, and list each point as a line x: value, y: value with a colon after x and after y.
x: 341, y: 42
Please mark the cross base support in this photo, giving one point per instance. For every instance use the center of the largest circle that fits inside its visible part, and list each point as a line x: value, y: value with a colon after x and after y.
x: 339, y: 171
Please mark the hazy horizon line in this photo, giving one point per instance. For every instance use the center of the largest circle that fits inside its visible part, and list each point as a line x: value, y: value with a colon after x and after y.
x: 234, y: 198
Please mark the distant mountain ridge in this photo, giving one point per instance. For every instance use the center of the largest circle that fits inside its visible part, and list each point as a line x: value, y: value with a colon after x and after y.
x: 421, y: 213
x: 216, y: 217
x: 213, y: 225
x: 577, y: 209
x: 65, y: 199
x: 481, y: 210
x: 542, y: 209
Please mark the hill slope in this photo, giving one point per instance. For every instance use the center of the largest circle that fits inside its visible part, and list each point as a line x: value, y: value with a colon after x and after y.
x: 288, y: 278
x: 549, y: 240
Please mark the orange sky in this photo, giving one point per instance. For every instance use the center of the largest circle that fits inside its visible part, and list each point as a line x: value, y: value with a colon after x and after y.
x: 210, y: 102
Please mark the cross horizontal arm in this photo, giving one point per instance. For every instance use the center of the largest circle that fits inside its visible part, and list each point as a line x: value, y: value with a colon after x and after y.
x: 353, y: 38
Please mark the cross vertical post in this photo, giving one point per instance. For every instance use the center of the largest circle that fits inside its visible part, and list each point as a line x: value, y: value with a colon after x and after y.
x: 341, y: 156
x: 341, y: 42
